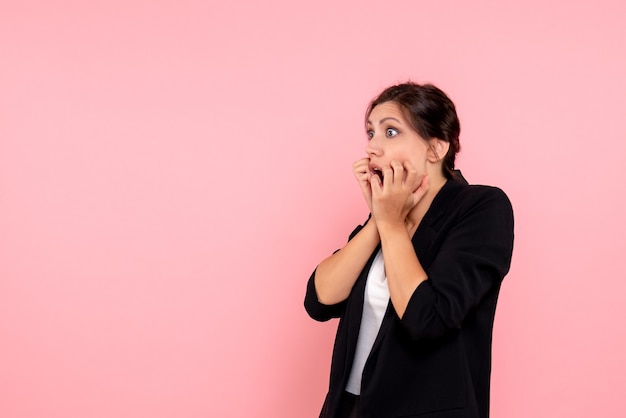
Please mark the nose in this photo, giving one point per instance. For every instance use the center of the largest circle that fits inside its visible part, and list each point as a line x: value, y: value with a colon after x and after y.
x: 373, y: 148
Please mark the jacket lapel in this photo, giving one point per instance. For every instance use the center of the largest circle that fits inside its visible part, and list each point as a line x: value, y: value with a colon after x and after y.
x: 422, y: 242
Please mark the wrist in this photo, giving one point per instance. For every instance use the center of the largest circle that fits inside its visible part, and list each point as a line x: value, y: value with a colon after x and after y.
x: 389, y: 228
x: 371, y: 224
x: 372, y: 229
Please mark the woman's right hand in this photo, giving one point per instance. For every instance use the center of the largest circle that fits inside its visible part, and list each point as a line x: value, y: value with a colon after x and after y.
x: 363, y: 175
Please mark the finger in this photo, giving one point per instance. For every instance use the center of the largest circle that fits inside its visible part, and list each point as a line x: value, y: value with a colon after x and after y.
x: 360, y: 167
x: 387, y: 176
x: 398, y: 172
x: 422, y: 189
x: 363, y: 162
x: 360, y: 170
x: 412, y: 180
x: 376, y: 184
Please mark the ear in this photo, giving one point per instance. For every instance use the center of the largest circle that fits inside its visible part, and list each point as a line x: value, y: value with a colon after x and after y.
x: 438, y: 148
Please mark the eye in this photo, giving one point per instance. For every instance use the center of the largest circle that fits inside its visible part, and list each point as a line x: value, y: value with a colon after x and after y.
x: 391, y: 132
x: 370, y: 134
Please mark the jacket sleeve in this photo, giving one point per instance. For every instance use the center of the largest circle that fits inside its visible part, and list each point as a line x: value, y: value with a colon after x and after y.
x: 318, y: 310
x: 474, y: 257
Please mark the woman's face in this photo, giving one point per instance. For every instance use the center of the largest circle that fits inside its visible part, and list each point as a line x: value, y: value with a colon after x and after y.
x: 392, y: 138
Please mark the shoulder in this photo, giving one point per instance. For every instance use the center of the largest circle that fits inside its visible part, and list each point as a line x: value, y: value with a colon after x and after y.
x: 462, y: 191
x: 480, y: 205
x: 462, y: 203
x: 481, y: 217
x: 475, y: 194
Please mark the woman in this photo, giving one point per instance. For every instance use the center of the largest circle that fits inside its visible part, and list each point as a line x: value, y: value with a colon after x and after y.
x: 416, y: 286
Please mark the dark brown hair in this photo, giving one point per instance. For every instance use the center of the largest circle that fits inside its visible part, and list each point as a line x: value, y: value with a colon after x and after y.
x: 431, y: 114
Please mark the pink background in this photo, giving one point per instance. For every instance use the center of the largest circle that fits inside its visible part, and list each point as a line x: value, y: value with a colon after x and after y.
x: 172, y: 172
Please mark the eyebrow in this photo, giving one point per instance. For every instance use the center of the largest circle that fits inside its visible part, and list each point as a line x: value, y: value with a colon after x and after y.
x: 383, y: 120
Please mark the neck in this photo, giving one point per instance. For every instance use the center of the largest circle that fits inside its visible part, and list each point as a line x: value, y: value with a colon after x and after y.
x: 417, y: 213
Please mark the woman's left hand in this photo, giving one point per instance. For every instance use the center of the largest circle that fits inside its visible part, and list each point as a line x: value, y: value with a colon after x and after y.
x: 399, y: 192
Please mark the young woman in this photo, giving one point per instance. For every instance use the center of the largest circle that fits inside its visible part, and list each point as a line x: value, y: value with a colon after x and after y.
x: 416, y: 286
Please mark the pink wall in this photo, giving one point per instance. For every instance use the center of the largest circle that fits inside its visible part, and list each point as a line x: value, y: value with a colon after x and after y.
x: 171, y: 173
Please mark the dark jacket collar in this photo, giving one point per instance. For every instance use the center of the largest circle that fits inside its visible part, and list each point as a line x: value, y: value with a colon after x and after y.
x: 442, y: 201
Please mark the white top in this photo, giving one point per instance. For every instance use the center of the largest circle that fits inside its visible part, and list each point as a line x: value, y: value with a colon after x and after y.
x: 374, y: 307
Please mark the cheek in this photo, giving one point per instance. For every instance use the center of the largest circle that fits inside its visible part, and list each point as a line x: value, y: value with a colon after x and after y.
x: 416, y: 155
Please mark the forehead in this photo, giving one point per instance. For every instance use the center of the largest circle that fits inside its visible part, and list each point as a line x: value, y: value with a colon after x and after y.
x: 387, y: 110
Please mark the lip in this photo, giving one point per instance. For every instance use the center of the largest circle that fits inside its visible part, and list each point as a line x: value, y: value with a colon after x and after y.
x: 375, y: 170
x: 374, y: 166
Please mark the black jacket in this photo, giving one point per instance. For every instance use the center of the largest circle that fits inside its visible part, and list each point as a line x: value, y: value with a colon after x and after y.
x: 436, y: 360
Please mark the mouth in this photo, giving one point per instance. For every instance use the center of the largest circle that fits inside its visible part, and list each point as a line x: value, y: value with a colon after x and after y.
x: 378, y: 172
